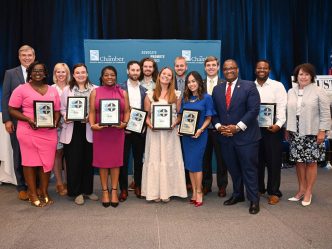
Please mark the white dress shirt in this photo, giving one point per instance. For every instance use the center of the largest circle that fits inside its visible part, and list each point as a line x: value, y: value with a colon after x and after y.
x: 274, y: 92
x: 211, y: 84
x: 134, y: 95
x: 25, y: 74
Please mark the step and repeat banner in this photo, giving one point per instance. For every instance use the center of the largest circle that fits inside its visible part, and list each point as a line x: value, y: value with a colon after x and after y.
x: 99, y: 53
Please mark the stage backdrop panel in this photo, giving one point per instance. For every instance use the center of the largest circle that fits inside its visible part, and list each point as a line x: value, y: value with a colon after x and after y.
x: 99, y: 53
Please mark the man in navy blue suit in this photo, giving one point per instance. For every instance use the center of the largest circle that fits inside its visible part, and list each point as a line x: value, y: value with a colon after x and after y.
x: 237, y: 104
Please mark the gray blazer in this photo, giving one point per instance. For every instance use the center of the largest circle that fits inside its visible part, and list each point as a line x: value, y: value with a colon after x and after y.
x: 315, y: 110
x: 13, y: 78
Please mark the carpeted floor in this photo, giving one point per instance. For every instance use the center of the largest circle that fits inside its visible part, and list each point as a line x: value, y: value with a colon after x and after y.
x: 138, y: 224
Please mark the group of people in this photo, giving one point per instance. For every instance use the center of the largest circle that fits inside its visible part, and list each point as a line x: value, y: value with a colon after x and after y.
x: 166, y: 164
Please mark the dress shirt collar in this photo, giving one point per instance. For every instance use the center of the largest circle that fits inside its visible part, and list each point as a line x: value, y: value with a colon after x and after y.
x: 266, y: 83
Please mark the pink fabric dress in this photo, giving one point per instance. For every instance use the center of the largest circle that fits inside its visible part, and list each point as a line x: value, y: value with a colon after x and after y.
x: 108, y: 143
x: 38, y: 147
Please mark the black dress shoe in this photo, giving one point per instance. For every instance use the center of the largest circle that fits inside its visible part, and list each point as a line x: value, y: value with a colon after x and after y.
x: 233, y: 200
x: 254, y: 207
x: 123, y: 195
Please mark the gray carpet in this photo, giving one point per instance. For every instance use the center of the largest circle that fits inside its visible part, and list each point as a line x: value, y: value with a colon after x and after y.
x: 177, y: 224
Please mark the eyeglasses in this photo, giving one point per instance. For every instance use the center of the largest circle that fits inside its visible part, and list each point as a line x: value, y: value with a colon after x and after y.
x: 225, y: 69
x: 38, y: 70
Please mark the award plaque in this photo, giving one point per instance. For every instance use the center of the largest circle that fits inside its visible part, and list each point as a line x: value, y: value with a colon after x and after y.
x: 76, y: 108
x: 109, y: 111
x: 267, y: 113
x: 162, y: 117
x: 44, y: 114
x: 189, y: 122
x: 136, y: 121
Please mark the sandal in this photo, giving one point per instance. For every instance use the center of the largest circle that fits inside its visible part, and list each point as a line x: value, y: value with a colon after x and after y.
x: 108, y: 203
x: 36, y: 202
x: 47, y: 200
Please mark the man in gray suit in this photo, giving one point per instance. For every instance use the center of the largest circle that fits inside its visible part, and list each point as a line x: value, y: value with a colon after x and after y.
x: 211, y: 67
x: 13, y: 78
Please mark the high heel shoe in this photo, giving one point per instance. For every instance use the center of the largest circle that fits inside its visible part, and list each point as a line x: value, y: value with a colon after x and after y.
x: 192, y: 201
x: 61, y: 189
x: 296, y: 199
x: 115, y: 204
x: 108, y: 203
x: 306, y: 203
x: 198, y: 203
x: 47, y: 200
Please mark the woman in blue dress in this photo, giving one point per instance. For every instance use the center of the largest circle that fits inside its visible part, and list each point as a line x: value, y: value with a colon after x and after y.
x: 194, y: 146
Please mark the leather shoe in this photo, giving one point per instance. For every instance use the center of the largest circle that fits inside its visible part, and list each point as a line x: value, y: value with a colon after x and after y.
x: 123, y: 195
x: 233, y: 200
x: 206, y: 190
x: 222, y: 192
x: 138, y: 192
x: 23, y: 195
x: 254, y: 207
x: 273, y: 199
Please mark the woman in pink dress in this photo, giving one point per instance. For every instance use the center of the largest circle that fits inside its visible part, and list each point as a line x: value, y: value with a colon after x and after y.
x: 38, y: 145
x: 108, y: 142
x: 61, y: 78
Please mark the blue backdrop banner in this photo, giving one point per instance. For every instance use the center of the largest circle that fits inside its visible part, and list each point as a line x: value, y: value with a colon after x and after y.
x: 99, y: 53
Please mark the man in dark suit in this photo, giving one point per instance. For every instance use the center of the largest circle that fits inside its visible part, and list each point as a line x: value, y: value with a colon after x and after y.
x: 211, y: 66
x: 133, y: 141
x: 13, y: 78
x: 237, y: 104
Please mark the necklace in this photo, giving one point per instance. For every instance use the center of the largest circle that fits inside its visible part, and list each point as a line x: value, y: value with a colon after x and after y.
x: 193, y: 100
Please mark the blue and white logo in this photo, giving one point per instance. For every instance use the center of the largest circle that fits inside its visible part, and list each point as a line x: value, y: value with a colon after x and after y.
x: 186, y: 54
x: 94, y: 55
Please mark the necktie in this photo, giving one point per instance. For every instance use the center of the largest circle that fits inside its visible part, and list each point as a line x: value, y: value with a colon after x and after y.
x: 228, y: 94
x: 211, y: 86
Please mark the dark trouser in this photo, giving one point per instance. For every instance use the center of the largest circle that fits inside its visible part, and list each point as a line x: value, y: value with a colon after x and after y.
x: 242, y: 163
x: 136, y: 143
x: 17, y: 159
x: 270, y: 156
x: 213, y: 145
x: 78, y: 156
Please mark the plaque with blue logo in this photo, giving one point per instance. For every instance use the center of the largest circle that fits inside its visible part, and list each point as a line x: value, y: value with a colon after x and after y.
x: 76, y: 108
x: 44, y: 114
x: 109, y: 111
x: 267, y: 113
x: 136, y: 121
x: 162, y: 117
x: 189, y: 122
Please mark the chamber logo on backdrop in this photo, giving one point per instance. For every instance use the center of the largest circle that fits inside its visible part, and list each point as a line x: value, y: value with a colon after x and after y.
x: 193, y: 59
x: 97, y: 57
x: 94, y: 55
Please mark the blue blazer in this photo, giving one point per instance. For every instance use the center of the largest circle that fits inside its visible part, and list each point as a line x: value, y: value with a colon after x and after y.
x: 142, y: 90
x: 13, y: 78
x: 244, y: 107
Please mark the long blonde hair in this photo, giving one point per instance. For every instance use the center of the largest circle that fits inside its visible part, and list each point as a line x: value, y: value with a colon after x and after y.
x: 65, y: 66
x: 171, y: 88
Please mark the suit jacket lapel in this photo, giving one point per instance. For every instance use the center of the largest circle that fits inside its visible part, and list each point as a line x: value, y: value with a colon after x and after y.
x: 235, y: 93
x: 19, y: 74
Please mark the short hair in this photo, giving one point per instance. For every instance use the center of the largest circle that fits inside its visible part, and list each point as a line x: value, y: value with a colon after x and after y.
x: 25, y: 48
x: 211, y: 58
x: 306, y: 67
x: 65, y: 66
x: 155, y: 69
x: 32, y: 66
x: 103, y: 71
x: 132, y: 63
x: 263, y: 60
x: 231, y: 60
x: 187, y: 93
x: 73, y: 82
x: 180, y: 58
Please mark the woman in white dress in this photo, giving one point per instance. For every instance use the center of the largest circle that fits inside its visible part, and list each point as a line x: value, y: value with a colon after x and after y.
x: 163, y: 170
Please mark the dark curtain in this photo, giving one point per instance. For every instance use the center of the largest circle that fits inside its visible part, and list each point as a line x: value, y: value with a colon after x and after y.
x: 286, y: 32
